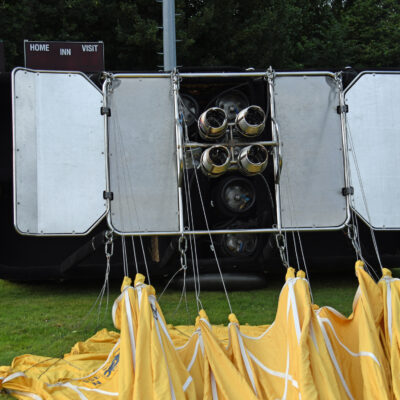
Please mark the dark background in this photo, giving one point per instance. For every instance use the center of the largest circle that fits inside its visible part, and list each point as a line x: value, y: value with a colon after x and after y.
x: 287, y: 34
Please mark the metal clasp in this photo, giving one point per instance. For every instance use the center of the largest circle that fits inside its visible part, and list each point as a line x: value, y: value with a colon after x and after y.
x: 176, y: 78
x: 109, y: 245
x: 270, y: 75
x: 352, y: 234
x: 281, y: 244
x: 182, y: 247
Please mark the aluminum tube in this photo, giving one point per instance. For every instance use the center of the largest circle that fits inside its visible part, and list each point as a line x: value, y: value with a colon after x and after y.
x: 141, y: 75
x: 221, y: 74
x: 223, y: 231
x: 250, y: 74
x: 180, y: 207
x: 276, y: 155
x: 212, y: 232
x: 178, y: 131
x: 306, y: 73
x: 106, y: 85
x: 169, y: 35
x: 217, y: 74
x: 345, y: 147
x: 262, y: 230
x: 234, y: 144
x: 179, y: 151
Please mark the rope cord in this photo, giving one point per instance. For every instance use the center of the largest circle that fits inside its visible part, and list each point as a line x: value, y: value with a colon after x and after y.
x: 294, y: 222
x: 375, y: 244
x: 353, y: 229
x: 192, y: 238
x: 287, y: 250
x: 105, y: 288
x: 109, y: 251
x: 183, y: 239
x: 134, y: 254
x: 295, y: 250
x: 123, y: 172
x: 280, y: 238
x: 183, y: 293
x: 284, y: 250
x: 208, y: 230
x: 270, y: 197
x: 124, y: 256
x: 182, y: 246
x: 354, y: 236
x: 291, y: 212
x: 182, y: 242
x: 192, y: 244
x: 121, y: 152
x: 211, y: 240
x: 145, y: 260
x: 183, y: 296
x: 196, y: 271
x: 182, y: 103
x: 369, y: 267
x: 305, y: 266
x: 355, y: 220
x: 168, y: 283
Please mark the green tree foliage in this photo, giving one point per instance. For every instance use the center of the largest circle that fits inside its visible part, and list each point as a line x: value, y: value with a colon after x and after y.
x: 284, y: 33
x: 129, y: 29
x: 372, y: 33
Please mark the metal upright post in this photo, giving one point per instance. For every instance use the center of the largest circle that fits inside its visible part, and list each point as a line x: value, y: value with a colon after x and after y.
x: 276, y: 139
x: 169, y: 35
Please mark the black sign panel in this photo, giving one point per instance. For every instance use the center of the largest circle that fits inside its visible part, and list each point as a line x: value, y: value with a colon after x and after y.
x: 65, y: 56
x: 2, y: 58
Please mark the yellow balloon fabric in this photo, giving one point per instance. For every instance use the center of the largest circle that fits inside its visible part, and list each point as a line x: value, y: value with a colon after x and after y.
x: 391, y: 325
x: 307, y: 353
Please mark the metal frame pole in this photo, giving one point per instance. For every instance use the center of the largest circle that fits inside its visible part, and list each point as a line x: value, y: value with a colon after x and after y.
x: 277, y: 158
x: 169, y: 35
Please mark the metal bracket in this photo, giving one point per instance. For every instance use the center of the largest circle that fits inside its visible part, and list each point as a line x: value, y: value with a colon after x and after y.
x: 348, y: 191
x: 105, y: 111
x: 108, y: 195
x: 342, y: 109
x: 281, y: 245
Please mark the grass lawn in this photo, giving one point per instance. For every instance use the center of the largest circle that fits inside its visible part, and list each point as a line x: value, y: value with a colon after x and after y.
x: 49, y: 318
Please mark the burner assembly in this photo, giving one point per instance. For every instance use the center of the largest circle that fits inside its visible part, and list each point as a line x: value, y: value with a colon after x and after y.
x: 234, y: 144
x: 231, y: 162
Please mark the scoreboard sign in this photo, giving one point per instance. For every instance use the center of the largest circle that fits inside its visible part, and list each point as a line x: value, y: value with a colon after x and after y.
x: 65, y: 56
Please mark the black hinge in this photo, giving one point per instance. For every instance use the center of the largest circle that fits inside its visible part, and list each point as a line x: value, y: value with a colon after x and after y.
x: 105, y: 111
x: 108, y: 195
x: 347, y: 190
x: 342, y: 109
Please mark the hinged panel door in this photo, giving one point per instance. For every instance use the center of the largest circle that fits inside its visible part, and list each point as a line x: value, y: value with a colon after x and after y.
x: 142, y: 155
x: 59, y: 161
x: 313, y: 175
x: 373, y: 129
